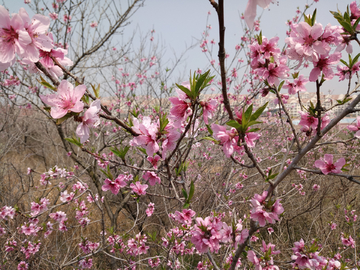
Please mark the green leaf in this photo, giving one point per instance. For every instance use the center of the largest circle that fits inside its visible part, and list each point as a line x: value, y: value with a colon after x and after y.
x: 96, y: 90
x: 184, y: 193
x: 234, y: 124
x: 86, y: 99
x: 74, y: 140
x: 354, y: 61
x: 121, y: 153
x: 210, y: 130
x: 210, y: 139
x: 342, y: 61
x: 356, y: 23
x: 200, y: 81
x: 62, y: 119
x: 142, y: 150
x: 272, y: 176
x: 281, y: 85
x: 347, y: 17
x: 253, y: 130
x: 192, y: 190
x: 47, y: 85
x: 258, y: 112
x: 295, y: 75
x: 107, y: 173
x: 163, y: 122
x: 259, y: 38
x: 247, y: 113
x: 185, y: 90
x: 347, y: 26
x: 313, y: 18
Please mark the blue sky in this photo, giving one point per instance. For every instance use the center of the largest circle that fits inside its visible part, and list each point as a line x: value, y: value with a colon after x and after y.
x: 179, y: 23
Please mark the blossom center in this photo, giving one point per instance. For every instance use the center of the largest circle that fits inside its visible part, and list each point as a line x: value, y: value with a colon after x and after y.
x: 9, y: 35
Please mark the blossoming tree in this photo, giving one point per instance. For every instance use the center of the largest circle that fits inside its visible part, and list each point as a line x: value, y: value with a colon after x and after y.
x: 184, y: 181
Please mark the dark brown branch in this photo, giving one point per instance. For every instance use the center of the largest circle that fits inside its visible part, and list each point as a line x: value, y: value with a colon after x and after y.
x: 220, y: 12
x: 44, y: 70
x: 241, y: 247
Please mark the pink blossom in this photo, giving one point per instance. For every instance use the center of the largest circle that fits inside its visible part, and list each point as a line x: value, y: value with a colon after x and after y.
x: 258, y: 212
x: 53, y: 16
x: 139, y: 188
x: 86, y: 263
x: 150, y: 210
x: 7, y: 211
x: 154, y: 160
x: 269, y: 48
x: 242, y: 237
x: 169, y: 143
x: 185, y: 216
x: 307, y: 121
x: 250, y: 11
x: 114, y: 186
x: 324, y: 64
x: 355, y: 127
x: 207, y: 234
x: 209, y: 108
x: 304, y: 42
x: 345, y: 73
x: 327, y: 166
x: 66, y: 99
x: 93, y: 24
x: 152, y: 178
x: 148, y: 136
x: 284, y: 99
x: 333, y: 226
x: 348, y: 241
x: 59, y: 216
x: 180, y: 110
x: 13, y: 38
x: 65, y: 197
x: 90, y: 119
x: 47, y: 61
x: 254, y: 259
x: 316, y: 187
x: 227, y: 138
x: 37, y: 28
x: 250, y: 138
x: 297, y: 86
x: 355, y: 11
x: 303, y: 262
x: 22, y: 266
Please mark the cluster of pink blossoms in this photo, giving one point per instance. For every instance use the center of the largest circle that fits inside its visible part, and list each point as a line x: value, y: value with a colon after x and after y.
x: 265, y: 262
x: 309, y: 123
x: 88, y: 246
x: 305, y: 258
x: 229, y: 139
x: 137, y: 245
x: 30, y: 40
x: 22, y: 36
x: 150, y: 137
x: 68, y: 99
x: 115, y: 185
x: 208, y: 233
x: 259, y: 213
x: 38, y: 208
x: 267, y: 62
x: 181, y: 108
x: 312, y: 43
